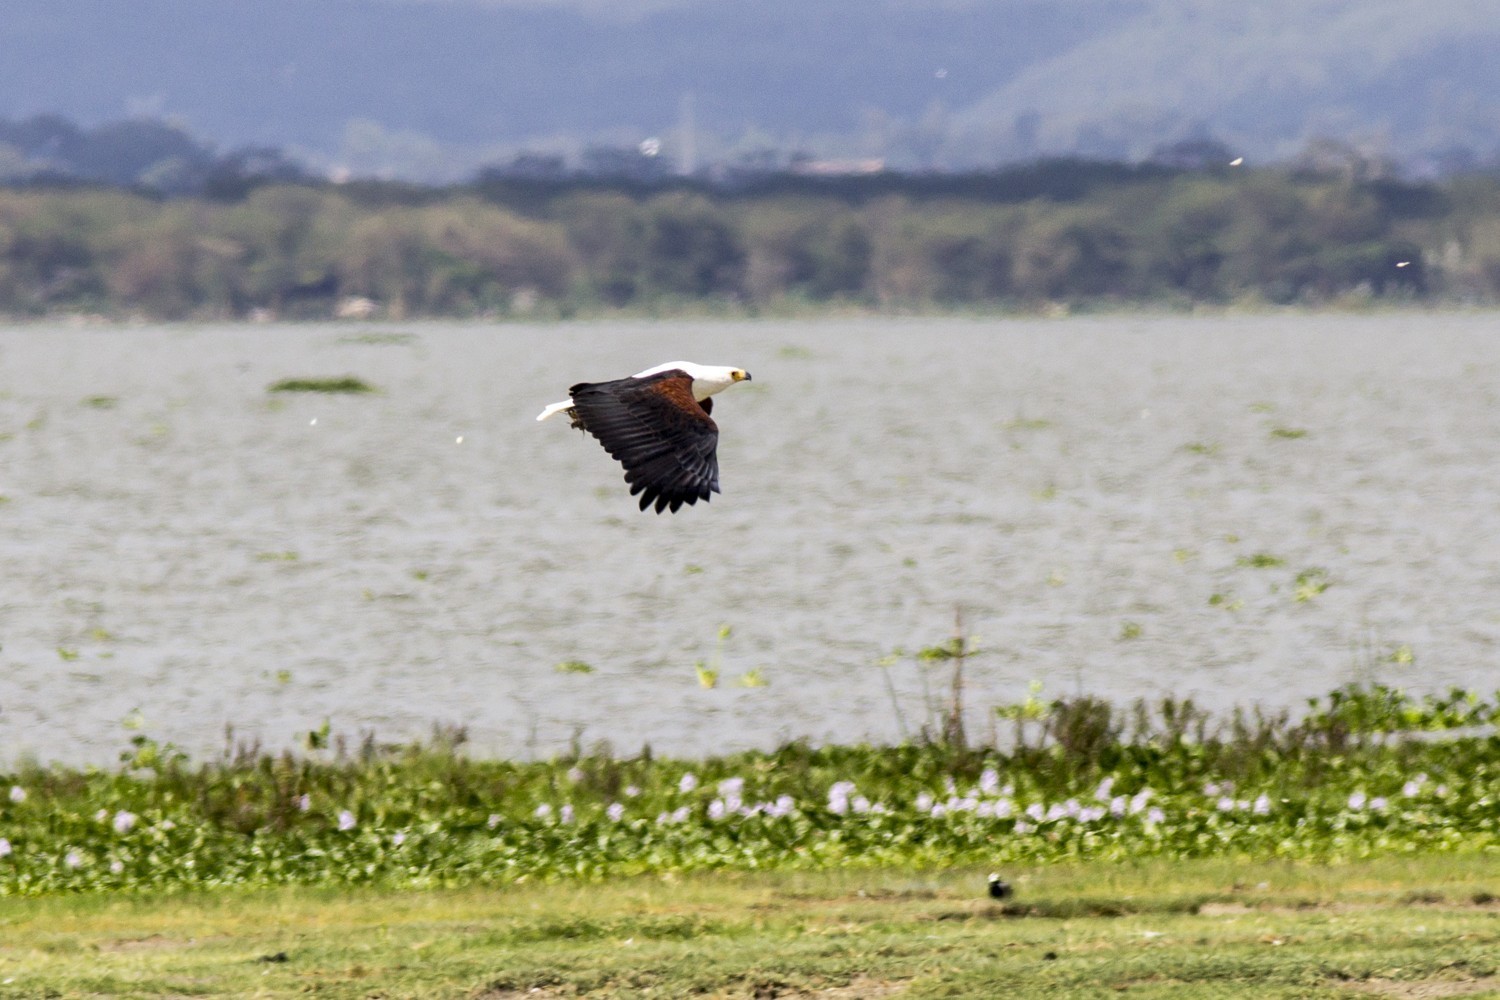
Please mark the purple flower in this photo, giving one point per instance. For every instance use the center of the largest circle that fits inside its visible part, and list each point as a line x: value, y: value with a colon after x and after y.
x: 1262, y: 805
x: 615, y: 812
x: 565, y: 814
x: 73, y: 859
x: 688, y: 783
x: 716, y: 809
x: 1357, y: 801
x: 989, y: 781
x: 346, y: 820
x: 124, y: 822
x: 17, y: 794
x: 5, y: 848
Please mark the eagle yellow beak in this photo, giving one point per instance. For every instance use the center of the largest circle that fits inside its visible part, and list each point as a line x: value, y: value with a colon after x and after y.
x: 742, y: 376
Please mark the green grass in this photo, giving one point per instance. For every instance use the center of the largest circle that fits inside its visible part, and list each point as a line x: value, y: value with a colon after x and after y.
x: 1395, y: 927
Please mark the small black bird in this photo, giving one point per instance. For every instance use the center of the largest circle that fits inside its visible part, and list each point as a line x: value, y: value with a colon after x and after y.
x: 999, y: 888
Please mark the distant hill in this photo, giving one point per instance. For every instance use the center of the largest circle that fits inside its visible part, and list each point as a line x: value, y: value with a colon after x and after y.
x: 1401, y: 78
x: 432, y: 88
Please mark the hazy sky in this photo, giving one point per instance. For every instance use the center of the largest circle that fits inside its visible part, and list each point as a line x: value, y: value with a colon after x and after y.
x: 945, y: 82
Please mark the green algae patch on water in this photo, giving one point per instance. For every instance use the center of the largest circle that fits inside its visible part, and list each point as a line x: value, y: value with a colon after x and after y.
x: 346, y: 385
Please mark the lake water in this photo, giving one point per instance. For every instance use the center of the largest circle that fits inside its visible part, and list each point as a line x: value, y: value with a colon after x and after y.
x: 1116, y: 506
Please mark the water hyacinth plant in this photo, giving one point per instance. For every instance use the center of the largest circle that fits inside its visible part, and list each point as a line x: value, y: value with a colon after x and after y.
x: 1358, y: 774
x: 347, y: 384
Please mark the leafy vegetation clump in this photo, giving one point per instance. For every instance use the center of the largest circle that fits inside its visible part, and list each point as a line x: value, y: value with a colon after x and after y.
x: 1359, y: 774
x: 346, y: 384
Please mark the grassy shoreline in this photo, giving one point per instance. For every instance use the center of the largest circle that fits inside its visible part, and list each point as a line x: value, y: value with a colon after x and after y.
x: 1424, y: 926
x: 1157, y: 851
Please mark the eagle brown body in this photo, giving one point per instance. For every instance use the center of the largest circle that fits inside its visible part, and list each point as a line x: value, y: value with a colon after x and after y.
x: 657, y: 425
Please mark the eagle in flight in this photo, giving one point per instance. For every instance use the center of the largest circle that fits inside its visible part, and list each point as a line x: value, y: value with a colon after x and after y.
x: 656, y: 423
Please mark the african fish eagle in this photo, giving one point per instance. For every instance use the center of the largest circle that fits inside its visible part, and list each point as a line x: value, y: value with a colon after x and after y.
x: 656, y: 423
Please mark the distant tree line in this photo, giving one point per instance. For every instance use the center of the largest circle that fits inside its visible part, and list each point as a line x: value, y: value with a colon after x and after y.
x: 1064, y: 232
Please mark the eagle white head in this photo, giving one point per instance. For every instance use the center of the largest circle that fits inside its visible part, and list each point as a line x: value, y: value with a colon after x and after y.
x: 707, y: 379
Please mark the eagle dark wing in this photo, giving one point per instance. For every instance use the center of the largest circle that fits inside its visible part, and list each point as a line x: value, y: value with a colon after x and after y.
x: 653, y: 426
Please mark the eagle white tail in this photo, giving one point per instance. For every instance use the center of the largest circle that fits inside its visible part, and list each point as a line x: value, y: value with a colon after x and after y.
x: 554, y: 409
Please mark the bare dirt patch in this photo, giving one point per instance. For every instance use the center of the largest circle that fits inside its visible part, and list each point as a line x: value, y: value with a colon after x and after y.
x: 859, y: 988
x: 1426, y: 989
x: 151, y: 942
